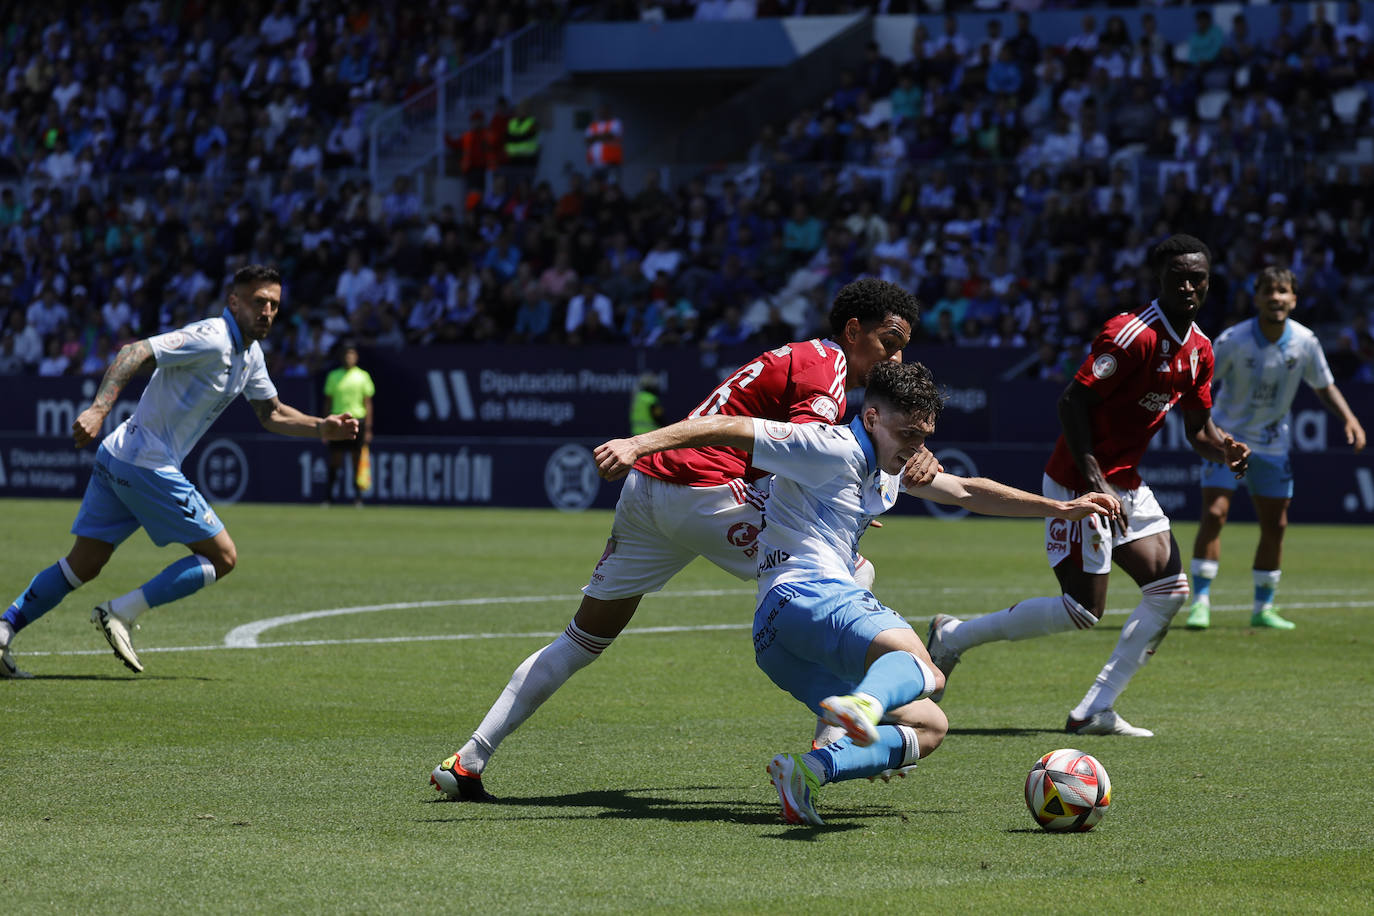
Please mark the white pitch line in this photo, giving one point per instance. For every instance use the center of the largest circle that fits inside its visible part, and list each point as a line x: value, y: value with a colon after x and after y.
x: 246, y: 636
x: 551, y: 634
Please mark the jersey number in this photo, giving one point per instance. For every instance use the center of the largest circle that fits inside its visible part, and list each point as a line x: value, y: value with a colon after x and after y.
x: 721, y: 396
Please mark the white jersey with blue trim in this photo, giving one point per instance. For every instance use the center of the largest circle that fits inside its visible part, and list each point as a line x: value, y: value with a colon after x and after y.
x: 1255, y: 381
x: 826, y: 488
x: 200, y: 370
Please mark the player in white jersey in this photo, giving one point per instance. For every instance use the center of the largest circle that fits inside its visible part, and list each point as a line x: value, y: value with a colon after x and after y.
x: 1259, y: 364
x: 817, y: 634
x: 680, y: 505
x: 137, y: 480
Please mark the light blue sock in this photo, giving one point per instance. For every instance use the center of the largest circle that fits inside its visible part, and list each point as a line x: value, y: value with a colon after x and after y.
x: 1266, y: 583
x: 846, y: 760
x: 184, y: 577
x: 44, y: 593
x: 1204, y: 571
x: 895, y: 679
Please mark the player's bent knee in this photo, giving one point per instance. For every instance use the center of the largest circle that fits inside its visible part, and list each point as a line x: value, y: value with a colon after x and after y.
x: 927, y: 718
x: 1163, y: 598
x: 932, y: 678
x: 1085, y: 618
x: 224, y: 562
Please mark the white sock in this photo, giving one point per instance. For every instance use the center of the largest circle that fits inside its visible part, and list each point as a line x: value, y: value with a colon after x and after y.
x: 826, y: 734
x: 1144, y: 629
x: 530, y: 685
x: 911, y: 745
x: 1206, y: 569
x: 128, y: 607
x: 1033, y: 617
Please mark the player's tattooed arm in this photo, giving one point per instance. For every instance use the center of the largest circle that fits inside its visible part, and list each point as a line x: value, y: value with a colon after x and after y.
x: 132, y: 359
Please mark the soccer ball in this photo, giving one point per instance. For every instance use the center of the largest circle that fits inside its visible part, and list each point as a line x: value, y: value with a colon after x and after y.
x: 1068, y: 790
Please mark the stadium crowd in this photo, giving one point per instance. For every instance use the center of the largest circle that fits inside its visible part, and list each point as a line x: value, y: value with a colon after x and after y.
x: 1016, y: 188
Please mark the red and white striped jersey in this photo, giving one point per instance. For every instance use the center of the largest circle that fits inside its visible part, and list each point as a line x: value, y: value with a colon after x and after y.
x: 1142, y: 369
x: 797, y: 383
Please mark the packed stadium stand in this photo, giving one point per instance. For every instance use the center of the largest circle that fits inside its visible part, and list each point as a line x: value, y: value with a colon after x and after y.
x: 1011, y: 162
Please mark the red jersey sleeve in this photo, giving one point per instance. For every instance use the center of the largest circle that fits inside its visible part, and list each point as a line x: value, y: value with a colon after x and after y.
x: 818, y: 379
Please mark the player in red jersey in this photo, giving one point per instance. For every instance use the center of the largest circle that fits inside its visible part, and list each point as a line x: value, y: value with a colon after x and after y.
x: 1143, y: 363
x: 678, y: 505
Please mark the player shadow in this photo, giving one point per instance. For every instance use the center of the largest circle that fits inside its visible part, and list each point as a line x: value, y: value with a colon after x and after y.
x: 118, y: 677
x: 1004, y: 732
x: 642, y: 804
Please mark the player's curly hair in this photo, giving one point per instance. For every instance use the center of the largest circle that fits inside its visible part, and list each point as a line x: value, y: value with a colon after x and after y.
x: 870, y: 299
x: 253, y: 274
x: 1176, y: 245
x: 909, y: 387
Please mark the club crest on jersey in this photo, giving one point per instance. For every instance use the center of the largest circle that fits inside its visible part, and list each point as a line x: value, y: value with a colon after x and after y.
x: 742, y: 534
x: 826, y: 408
x: 1192, y: 363
x: 776, y: 429
x: 1164, y: 346
x: 1104, y: 366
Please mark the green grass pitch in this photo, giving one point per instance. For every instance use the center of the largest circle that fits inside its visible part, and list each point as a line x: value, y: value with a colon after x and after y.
x: 292, y: 777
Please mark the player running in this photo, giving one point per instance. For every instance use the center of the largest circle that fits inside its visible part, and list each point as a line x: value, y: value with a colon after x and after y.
x: 817, y: 634
x: 1259, y: 364
x: 137, y: 480
x: 679, y: 505
x: 1142, y: 364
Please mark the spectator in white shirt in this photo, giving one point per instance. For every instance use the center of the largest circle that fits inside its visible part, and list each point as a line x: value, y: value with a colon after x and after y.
x: 47, y: 314
x: 53, y: 362
x: 307, y: 155
x: 117, y: 313
x: 277, y: 27
x: 662, y: 257
x: 1062, y: 144
x: 28, y: 343
x: 889, y: 149
x: 356, y: 283
x: 1353, y: 26
x: 1086, y: 40
x: 59, y: 166
x: 67, y: 88
x: 588, y: 300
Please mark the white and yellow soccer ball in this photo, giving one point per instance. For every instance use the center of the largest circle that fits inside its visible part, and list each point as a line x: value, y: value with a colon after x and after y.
x: 1068, y: 790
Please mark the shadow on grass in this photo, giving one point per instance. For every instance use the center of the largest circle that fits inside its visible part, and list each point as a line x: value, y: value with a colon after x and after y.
x: 644, y: 804
x: 1005, y: 732
x: 118, y: 677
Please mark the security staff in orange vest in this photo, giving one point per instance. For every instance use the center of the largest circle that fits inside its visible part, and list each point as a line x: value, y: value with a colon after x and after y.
x: 474, y: 149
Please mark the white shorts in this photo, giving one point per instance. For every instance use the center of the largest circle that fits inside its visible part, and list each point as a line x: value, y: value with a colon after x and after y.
x: 1091, y: 541
x: 660, y: 527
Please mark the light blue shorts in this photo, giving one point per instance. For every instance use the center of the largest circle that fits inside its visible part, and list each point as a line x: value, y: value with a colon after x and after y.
x: 123, y: 497
x: 1270, y: 476
x: 812, y: 638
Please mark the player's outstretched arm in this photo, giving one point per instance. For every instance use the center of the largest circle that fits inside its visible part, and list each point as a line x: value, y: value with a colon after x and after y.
x: 616, y: 457
x: 1214, y: 444
x: 286, y: 420
x: 1335, y: 402
x: 988, y: 497
x: 132, y: 359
